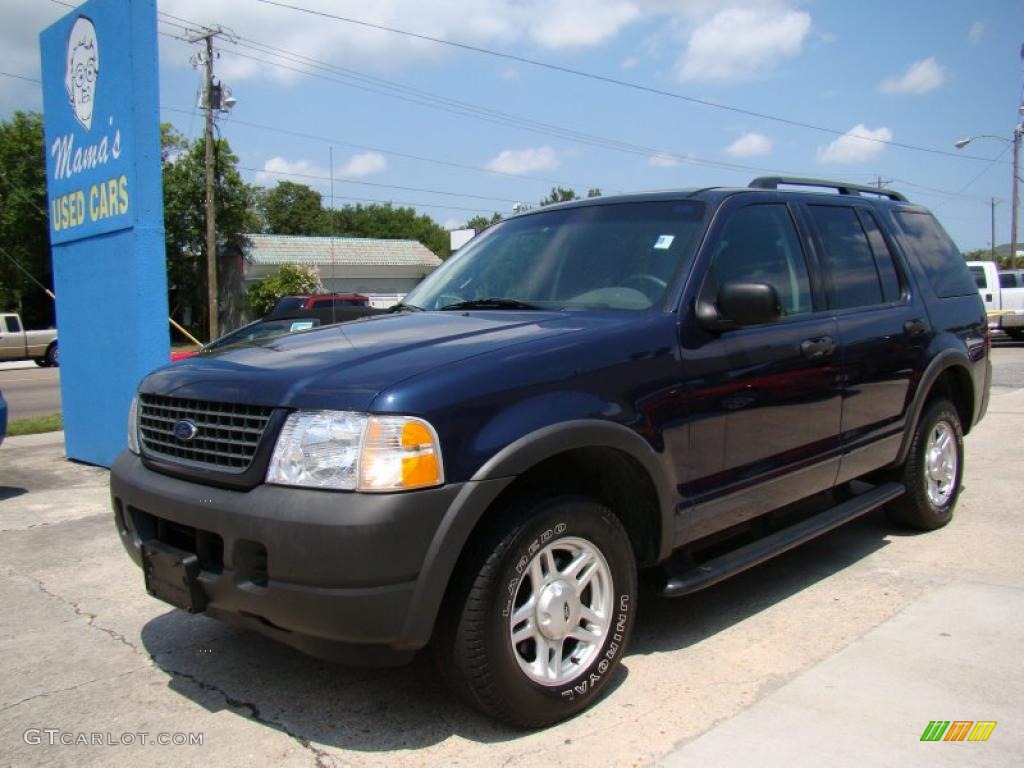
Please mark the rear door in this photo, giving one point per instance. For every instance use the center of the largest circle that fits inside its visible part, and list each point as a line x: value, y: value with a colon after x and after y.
x: 883, y: 330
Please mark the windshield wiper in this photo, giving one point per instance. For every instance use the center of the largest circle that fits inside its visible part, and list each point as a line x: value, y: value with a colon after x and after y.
x: 491, y: 303
x: 400, y: 307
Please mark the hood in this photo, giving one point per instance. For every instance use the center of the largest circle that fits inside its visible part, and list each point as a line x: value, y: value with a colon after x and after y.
x: 345, y: 366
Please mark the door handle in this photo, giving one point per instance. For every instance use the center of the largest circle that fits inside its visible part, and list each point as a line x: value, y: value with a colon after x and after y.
x: 988, y: 297
x: 816, y: 349
x: 915, y: 327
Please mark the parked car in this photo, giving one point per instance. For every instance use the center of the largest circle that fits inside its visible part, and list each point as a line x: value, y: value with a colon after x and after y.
x: 252, y: 332
x: 683, y: 382
x: 297, y: 303
x: 1003, y: 297
x: 18, y: 344
x: 3, y: 418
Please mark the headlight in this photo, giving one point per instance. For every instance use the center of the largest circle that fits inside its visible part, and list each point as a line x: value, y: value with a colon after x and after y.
x: 133, y: 426
x: 355, y: 451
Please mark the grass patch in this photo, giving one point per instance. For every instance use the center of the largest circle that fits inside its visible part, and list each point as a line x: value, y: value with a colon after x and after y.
x: 33, y: 426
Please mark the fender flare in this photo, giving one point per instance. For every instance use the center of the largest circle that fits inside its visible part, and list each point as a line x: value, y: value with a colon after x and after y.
x: 944, y: 361
x: 499, y: 472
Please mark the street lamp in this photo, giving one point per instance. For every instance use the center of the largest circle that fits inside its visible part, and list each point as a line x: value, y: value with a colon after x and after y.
x: 1015, y: 141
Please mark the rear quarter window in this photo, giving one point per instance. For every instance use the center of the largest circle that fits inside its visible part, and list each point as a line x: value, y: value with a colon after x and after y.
x: 939, y: 258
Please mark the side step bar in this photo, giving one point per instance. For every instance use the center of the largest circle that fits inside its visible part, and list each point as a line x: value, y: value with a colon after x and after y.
x: 749, y: 555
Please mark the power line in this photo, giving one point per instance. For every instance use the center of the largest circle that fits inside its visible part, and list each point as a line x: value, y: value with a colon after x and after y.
x: 22, y: 77
x: 378, y: 184
x: 392, y: 152
x: 610, y: 80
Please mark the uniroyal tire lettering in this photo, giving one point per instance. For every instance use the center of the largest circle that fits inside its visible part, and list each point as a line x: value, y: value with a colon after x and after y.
x: 609, y: 655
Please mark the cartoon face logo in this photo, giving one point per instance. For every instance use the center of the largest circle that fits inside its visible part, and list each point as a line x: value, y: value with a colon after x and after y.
x: 83, y: 69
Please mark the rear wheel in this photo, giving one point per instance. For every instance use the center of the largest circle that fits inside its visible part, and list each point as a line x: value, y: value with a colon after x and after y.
x: 41, y: 362
x: 535, y: 628
x: 933, y: 470
x: 53, y: 356
x: 1016, y: 334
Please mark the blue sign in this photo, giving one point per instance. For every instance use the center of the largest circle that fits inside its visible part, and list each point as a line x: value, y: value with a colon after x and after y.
x: 89, y: 116
x: 101, y: 119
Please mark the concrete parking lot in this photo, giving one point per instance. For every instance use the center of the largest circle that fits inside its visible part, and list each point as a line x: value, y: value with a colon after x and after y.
x: 837, y: 653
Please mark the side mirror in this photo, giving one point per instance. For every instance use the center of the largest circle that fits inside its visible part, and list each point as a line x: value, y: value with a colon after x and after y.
x: 740, y: 304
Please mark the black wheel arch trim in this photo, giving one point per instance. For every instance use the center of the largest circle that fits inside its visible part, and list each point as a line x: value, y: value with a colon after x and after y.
x: 529, y: 450
x: 942, y: 362
x: 494, y: 477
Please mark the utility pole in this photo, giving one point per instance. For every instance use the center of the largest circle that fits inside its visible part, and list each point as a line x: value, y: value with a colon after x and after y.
x: 880, y: 182
x: 210, y: 94
x: 1017, y: 130
x: 993, y: 243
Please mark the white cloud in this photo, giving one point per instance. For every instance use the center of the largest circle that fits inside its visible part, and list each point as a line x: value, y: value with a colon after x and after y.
x: 550, y: 24
x: 856, y: 145
x: 663, y: 160
x: 451, y: 223
x: 749, y: 145
x: 299, y: 171
x: 977, y: 31
x: 629, y: 62
x: 741, y: 43
x: 519, y: 161
x: 579, y: 23
x: 921, y: 76
x: 364, y: 164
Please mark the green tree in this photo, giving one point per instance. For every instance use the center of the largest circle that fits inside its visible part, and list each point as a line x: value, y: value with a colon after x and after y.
x: 292, y: 209
x: 594, y: 192
x: 288, y: 281
x: 384, y: 221
x: 185, y: 226
x: 559, y: 195
x: 24, y: 223
x: 480, y: 223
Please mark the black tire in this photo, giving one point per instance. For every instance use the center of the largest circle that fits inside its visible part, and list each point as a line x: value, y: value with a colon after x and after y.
x: 53, y: 356
x: 1017, y: 334
x: 473, y: 644
x: 916, y: 508
x: 41, y: 362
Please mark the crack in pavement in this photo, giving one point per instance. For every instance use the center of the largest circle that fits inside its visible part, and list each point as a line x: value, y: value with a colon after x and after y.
x: 321, y: 757
x: 103, y: 679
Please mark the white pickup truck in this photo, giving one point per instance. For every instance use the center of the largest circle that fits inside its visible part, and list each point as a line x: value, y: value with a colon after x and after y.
x: 1003, y: 295
x: 18, y: 344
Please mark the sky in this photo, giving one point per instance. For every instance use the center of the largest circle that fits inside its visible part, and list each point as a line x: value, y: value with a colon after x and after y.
x: 709, y: 93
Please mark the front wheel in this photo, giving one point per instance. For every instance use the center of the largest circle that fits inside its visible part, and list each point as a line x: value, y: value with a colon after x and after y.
x: 537, y: 626
x: 53, y: 356
x: 933, y: 470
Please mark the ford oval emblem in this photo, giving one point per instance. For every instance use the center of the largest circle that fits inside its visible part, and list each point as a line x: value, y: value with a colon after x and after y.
x: 185, y: 430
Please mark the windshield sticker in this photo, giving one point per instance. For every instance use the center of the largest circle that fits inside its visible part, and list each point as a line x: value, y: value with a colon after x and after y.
x: 664, y: 242
x: 303, y: 325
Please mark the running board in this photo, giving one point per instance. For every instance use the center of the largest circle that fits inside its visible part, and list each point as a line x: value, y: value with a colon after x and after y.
x: 749, y: 555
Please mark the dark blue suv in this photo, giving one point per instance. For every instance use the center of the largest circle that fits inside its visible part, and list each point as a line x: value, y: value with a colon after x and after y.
x: 642, y: 382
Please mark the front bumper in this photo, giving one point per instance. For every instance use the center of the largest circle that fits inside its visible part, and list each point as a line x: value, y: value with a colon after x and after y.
x: 333, y: 574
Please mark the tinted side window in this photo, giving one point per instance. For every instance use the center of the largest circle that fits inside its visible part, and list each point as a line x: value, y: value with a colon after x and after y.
x: 891, y: 290
x: 13, y: 325
x: 759, y: 244
x: 847, y: 257
x: 979, y: 276
x: 935, y: 252
x: 1006, y: 279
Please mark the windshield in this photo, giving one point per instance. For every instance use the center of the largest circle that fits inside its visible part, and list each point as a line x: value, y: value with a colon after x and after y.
x: 263, y: 330
x: 616, y: 256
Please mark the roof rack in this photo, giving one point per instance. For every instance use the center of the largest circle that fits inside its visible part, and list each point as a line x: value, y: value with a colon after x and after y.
x: 773, y: 182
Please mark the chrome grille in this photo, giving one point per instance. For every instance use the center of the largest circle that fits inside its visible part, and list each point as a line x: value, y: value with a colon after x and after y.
x: 227, y: 434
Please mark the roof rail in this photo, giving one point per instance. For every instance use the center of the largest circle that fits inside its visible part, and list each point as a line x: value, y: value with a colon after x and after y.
x: 773, y: 182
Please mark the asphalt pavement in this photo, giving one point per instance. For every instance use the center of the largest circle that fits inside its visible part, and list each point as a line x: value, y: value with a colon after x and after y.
x: 30, y: 390
x: 840, y: 652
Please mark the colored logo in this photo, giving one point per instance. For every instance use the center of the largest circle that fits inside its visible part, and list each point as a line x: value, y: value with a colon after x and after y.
x: 82, y: 70
x: 958, y: 730
x: 185, y: 430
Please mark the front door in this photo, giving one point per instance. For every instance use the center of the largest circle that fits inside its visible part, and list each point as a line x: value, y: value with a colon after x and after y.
x: 764, y: 401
